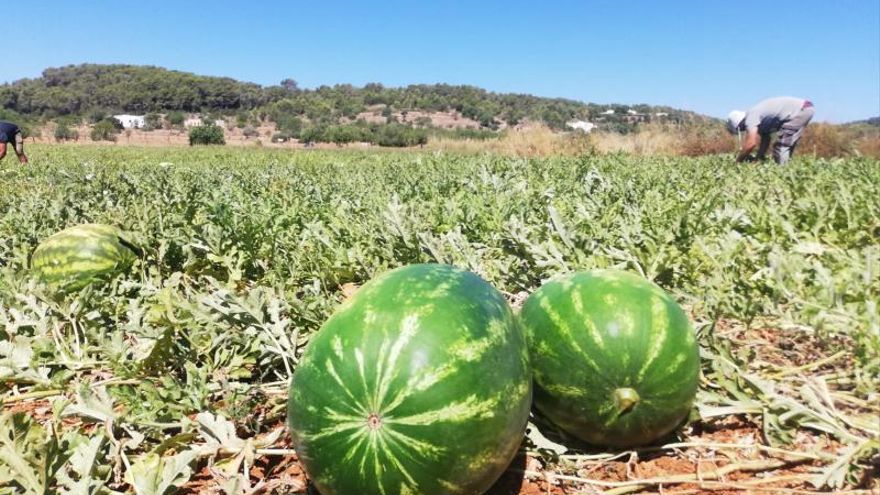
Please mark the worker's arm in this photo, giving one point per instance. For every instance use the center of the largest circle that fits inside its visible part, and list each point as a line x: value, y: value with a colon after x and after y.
x: 749, y: 144
x: 2, y: 150
x: 18, y: 146
x: 762, y: 150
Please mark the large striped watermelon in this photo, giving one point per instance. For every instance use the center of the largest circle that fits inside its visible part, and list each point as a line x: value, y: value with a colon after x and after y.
x: 418, y: 384
x: 614, y: 357
x: 79, y: 255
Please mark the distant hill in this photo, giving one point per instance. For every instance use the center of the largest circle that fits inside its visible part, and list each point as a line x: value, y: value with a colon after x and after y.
x: 873, y: 121
x: 97, y: 90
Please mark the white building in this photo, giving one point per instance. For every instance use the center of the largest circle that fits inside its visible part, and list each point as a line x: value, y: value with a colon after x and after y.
x: 610, y: 111
x: 582, y: 125
x: 131, y: 121
x: 197, y: 121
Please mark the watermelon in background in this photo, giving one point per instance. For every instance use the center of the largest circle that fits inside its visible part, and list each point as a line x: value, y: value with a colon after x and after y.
x: 80, y: 255
x: 418, y: 384
x: 614, y: 357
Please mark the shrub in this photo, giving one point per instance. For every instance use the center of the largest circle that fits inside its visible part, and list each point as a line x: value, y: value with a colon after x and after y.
x: 824, y: 140
x: 313, y: 134
x: 97, y: 115
x: 400, y: 135
x: 710, y: 141
x: 289, y: 124
x: 465, y: 133
x: 250, y: 131
x: 116, y: 123
x: 175, y: 119
x: 64, y: 132
x: 206, y: 134
x: 152, y: 121
x: 423, y: 121
x: 30, y: 132
x: 106, y: 130
x: 342, y: 134
x: 869, y: 146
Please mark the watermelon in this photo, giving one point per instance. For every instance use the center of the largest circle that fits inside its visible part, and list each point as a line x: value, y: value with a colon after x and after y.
x: 75, y: 257
x: 418, y: 384
x: 614, y: 357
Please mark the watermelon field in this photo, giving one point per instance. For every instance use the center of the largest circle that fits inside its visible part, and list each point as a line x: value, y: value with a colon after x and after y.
x: 173, y: 376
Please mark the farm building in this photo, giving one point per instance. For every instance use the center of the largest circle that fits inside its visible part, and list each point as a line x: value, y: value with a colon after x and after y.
x: 581, y: 125
x: 131, y: 121
x: 197, y: 121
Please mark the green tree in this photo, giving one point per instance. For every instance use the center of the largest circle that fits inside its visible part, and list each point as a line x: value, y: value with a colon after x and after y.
x: 97, y: 115
x: 241, y: 120
x: 64, y: 132
x: 106, y: 130
x: 152, y: 121
x: 206, y: 134
x: 175, y: 119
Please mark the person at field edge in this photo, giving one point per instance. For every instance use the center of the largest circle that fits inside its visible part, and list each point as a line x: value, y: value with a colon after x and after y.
x: 11, y: 134
x: 786, y: 115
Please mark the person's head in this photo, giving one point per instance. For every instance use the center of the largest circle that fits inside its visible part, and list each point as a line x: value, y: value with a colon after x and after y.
x: 734, y: 120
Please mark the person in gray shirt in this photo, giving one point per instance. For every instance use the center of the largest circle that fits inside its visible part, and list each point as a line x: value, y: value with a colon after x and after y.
x: 786, y: 115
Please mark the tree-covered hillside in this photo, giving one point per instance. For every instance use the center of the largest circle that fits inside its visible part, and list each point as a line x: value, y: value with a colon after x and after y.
x: 81, y: 90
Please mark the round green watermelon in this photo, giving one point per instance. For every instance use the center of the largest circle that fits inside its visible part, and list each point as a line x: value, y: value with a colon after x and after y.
x: 79, y: 255
x: 418, y: 384
x: 614, y: 357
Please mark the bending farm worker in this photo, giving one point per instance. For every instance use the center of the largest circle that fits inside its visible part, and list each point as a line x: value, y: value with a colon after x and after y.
x: 786, y: 115
x: 11, y: 134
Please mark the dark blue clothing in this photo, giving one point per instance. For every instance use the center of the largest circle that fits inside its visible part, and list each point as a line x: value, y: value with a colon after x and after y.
x: 8, y: 130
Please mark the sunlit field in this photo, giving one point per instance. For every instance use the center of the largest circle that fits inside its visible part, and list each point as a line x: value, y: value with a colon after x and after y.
x: 173, y: 375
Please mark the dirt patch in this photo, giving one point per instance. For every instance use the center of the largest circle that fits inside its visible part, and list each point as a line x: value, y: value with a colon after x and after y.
x: 443, y: 120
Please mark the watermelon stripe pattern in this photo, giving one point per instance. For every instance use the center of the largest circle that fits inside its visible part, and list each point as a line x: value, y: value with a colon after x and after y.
x: 614, y: 357
x: 418, y: 384
x: 73, y: 258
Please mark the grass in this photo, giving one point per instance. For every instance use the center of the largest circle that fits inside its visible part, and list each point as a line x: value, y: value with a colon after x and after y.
x: 820, y: 140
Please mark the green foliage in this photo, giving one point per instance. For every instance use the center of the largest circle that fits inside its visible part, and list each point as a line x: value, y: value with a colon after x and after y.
x: 246, y: 253
x: 65, y: 132
x: 206, y: 134
x: 465, y: 133
x: 241, y: 120
x: 290, y: 126
x: 97, y: 115
x: 250, y: 131
x: 93, y: 90
x: 106, y: 130
x: 392, y: 135
x: 80, y: 89
x: 400, y: 135
x: 152, y: 121
x: 175, y: 119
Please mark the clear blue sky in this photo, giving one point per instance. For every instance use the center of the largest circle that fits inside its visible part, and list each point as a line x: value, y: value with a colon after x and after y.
x: 708, y: 56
